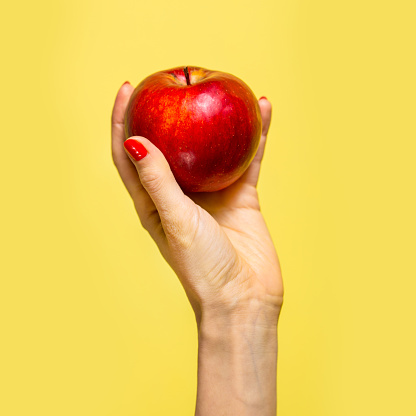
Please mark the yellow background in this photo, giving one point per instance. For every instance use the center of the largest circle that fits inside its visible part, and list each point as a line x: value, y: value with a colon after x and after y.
x: 93, y: 321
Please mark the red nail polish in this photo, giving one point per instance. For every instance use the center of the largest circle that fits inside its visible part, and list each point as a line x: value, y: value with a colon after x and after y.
x: 135, y: 148
x: 262, y: 98
x: 126, y: 83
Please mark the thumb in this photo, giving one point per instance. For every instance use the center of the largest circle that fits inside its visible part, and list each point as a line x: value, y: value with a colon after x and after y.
x: 173, y: 206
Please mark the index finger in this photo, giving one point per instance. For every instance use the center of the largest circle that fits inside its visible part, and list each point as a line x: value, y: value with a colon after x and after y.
x: 126, y: 169
x: 117, y: 120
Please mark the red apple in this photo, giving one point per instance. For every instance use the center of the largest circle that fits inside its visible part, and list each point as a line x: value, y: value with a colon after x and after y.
x: 206, y: 123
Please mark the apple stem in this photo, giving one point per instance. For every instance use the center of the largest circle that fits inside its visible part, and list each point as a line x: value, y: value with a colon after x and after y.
x: 188, y: 81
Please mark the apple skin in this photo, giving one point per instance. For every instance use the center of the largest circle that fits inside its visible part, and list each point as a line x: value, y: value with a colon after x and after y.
x: 208, y: 131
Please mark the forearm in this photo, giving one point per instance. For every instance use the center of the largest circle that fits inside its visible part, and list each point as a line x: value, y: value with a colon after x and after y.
x: 237, y: 365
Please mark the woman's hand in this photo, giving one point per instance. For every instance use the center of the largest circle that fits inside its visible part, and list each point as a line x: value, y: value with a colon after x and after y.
x: 219, y: 246
x: 217, y: 243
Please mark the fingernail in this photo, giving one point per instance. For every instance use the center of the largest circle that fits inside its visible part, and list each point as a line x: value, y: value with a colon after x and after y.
x: 126, y: 83
x: 135, y: 148
x: 262, y: 98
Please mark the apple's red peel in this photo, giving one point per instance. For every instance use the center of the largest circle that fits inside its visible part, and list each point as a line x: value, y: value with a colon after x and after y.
x: 209, y: 134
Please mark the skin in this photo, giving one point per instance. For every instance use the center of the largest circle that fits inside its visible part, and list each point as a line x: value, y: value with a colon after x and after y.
x: 219, y: 246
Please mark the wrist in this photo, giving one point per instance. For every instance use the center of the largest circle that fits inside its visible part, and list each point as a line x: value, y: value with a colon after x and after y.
x: 237, y: 361
x: 242, y: 315
x: 255, y: 324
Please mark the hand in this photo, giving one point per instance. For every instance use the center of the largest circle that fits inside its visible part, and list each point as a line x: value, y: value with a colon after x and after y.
x: 219, y: 246
x: 217, y: 243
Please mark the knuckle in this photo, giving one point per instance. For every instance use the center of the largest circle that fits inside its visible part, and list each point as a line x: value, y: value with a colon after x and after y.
x: 150, y: 220
x: 114, y: 157
x: 115, y: 163
x: 153, y: 181
x: 181, y: 228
